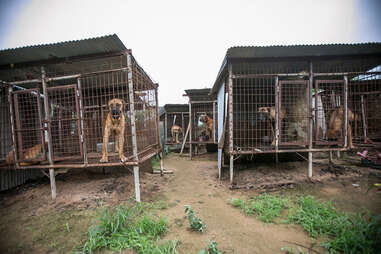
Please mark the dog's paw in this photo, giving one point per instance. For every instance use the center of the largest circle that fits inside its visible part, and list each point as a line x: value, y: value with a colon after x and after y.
x: 104, y: 159
x: 123, y: 158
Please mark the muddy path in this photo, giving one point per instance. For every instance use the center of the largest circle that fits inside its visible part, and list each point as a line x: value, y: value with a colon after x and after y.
x: 31, y: 223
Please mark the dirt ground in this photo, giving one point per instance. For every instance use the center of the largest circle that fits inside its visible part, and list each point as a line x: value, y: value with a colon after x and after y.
x: 32, y: 223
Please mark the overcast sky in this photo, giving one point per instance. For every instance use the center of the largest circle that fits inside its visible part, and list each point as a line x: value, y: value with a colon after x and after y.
x: 181, y: 44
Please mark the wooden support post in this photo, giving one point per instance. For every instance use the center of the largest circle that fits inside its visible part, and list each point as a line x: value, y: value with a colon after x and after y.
x: 133, y: 125
x: 185, y: 139
x: 330, y: 157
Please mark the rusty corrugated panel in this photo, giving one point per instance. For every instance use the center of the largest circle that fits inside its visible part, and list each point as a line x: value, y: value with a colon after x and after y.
x: 12, y: 178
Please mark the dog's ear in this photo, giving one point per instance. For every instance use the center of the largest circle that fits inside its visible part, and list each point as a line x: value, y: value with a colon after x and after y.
x: 123, y: 103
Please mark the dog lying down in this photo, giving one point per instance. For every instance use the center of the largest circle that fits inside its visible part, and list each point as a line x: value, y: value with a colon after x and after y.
x: 29, y: 154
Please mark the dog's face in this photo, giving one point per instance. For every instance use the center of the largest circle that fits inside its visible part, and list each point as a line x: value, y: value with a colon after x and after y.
x: 264, y: 110
x: 116, y: 108
x: 204, y: 118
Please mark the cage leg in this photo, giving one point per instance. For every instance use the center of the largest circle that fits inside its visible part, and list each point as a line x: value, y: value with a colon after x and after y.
x: 52, y: 177
x: 330, y: 157
x: 190, y: 151
x: 309, y: 164
x: 338, y: 154
x: 137, y: 183
x: 231, y: 168
x: 161, y: 164
x: 276, y: 158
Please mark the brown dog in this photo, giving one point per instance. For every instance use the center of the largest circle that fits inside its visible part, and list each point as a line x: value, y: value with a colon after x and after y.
x: 29, y: 154
x: 208, y: 125
x: 175, y: 131
x: 336, y: 124
x: 270, y: 111
x: 114, y: 124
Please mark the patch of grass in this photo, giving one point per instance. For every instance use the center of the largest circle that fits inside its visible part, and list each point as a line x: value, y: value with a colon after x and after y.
x: 266, y: 207
x: 194, y: 222
x: 129, y: 227
x: 290, y: 250
x: 344, y: 233
x: 211, y: 248
x: 341, y: 232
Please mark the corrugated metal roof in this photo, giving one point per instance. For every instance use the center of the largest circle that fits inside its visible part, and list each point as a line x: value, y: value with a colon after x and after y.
x: 176, y: 107
x: 295, y: 51
x: 199, y: 94
x: 97, y: 45
x: 304, y: 50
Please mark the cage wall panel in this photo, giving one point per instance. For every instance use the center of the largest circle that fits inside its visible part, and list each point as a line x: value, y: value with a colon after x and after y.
x: 364, y: 97
x: 179, y: 119
x: 28, y: 123
x: 294, y: 104
x: 329, y: 96
x: 5, y: 124
x: 97, y: 91
x: 200, y: 134
x: 252, y: 126
x: 65, y: 122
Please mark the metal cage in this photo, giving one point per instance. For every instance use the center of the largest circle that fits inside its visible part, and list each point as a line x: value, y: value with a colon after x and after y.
x: 293, y: 103
x: 56, y: 118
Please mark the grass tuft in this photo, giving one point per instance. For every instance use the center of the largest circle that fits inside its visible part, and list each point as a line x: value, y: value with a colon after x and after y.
x: 341, y: 232
x: 129, y: 227
x: 266, y: 207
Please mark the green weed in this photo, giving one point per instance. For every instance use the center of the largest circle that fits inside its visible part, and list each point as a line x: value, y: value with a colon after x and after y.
x: 129, y: 227
x: 344, y: 233
x: 211, y: 248
x: 340, y: 232
x: 194, y: 222
x: 266, y: 207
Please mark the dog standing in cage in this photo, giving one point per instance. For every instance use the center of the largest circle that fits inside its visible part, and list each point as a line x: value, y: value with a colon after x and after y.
x: 208, y: 121
x: 271, y: 114
x: 175, y: 132
x: 115, y: 123
x: 336, y: 124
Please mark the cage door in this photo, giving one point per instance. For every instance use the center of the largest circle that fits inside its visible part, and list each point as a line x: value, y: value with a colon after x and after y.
x: 328, y: 104
x: 29, y: 132
x: 65, y: 122
x: 293, y: 112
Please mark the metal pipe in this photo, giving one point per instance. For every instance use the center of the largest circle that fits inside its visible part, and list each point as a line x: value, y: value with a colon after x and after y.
x: 310, y: 126
x: 345, y: 111
x: 364, y: 127
x: 158, y: 139
x: 165, y: 127
x: 48, y: 133
x: 203, y: 102
x: 289, y: 151
x: 82, y: 115
x: 214, y: 122
x: 190, y: 129
x: 10, y: 90
x: 231, y: 144
x: 133, y: 125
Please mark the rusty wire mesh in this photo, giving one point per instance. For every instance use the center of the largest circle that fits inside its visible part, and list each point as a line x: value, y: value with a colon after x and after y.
x: 204, y: 132
x: 180, y: 119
